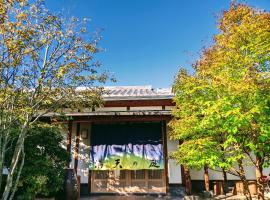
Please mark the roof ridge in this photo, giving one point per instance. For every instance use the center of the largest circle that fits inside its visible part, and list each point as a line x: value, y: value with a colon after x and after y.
x: 129, y: 87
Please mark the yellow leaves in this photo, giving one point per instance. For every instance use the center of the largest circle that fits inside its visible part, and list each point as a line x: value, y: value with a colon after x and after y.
x: 61, y: 72
x: 91, y: 48
x: 27, y: 50
x: 22, y: 16
x: 23, y: 2
x: 234, y: 16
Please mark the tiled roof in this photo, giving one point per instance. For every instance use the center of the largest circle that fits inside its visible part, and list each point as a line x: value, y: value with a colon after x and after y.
x: 136, y: 92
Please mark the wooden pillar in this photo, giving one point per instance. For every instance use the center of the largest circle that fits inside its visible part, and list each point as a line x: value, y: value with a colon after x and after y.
x: 89, y: 180
x: 79, y: 186
x: 165, y: 150
x: 90, y: 171
x: 69, y: 139
x: 76, y: 157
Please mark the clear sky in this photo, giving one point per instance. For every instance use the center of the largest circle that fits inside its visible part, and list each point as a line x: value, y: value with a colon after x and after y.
x: 146, y: 41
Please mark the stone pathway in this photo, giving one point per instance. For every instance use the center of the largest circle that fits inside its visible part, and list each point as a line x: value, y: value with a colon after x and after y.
x: 131, y: 197
x: 148, y: 197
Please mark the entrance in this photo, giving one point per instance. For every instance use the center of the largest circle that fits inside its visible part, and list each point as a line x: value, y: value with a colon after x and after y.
x: 127, y: 158
x: 128, y: 181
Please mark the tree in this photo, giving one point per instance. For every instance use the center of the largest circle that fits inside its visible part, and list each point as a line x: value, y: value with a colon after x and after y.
x: 223, y: 108
x: 44, y: 60
x: 45, y: 161
x: 201, y: 129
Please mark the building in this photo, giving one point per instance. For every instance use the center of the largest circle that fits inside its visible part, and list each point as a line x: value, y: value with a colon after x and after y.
x: 124, y: 146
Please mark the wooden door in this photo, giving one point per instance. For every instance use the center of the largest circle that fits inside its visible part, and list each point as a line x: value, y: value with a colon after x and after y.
x: 128, y: 181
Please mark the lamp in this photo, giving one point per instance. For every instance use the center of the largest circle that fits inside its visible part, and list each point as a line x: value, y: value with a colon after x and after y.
x: 84, y: 134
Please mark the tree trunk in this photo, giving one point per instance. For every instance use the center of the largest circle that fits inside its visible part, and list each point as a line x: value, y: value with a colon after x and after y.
x: 14, y: 162
x: 18, y: 176
x: 206, y: 179
x: 246, y: 188
x: 187, y: 180
x: 244, y: 180
x: 2, y: 161
x: 225, y: 182
x: 260, y: 183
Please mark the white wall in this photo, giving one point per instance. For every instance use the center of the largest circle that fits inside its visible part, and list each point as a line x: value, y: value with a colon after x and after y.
x: 214, y: 175
x: 84, y: 154
x: 84, y: 149
x: 143, y: 108
x: 174, y: 170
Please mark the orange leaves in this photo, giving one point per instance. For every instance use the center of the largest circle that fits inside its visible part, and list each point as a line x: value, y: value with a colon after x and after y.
x: 234, y: 17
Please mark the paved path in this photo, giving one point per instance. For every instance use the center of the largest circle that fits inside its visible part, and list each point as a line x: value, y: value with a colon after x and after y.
x: 131, y: 197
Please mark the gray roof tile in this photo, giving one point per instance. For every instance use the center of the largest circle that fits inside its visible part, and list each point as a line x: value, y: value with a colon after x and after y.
x: 134, y: 92
x: 137, y: 92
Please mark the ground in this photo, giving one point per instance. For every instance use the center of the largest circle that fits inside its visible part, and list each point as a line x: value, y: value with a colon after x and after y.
x: 131, y: 198
x: 147, y: 197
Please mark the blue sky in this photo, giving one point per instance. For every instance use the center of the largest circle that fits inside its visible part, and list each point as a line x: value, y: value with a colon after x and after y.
x: 146, y: 41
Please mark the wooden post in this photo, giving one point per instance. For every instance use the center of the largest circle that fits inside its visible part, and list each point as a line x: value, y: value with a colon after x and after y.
x: 218, y: 187
x: 89, y: 171
x: 77, y: 147
x: 206, y: 179
x: 164, y: 134
x: 79, y: 186
x: 69, y: 138
x: 89, y: 180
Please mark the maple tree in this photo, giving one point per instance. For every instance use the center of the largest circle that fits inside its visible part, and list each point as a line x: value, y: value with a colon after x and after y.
x: 223, y: 108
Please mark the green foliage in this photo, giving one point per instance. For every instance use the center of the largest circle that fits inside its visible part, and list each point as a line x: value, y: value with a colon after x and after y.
x: 44, y: 169
x: 222, y: 110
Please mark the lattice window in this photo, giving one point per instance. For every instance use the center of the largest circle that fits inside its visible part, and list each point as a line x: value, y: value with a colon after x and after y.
x: 122, y: 174
x: 102, y: 174
x: 137, y: 174
x: 155, y: 174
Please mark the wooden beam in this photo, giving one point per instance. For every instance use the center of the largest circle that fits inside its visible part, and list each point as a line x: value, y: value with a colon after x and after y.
x: 123, y: 118
x: 138, y: 103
